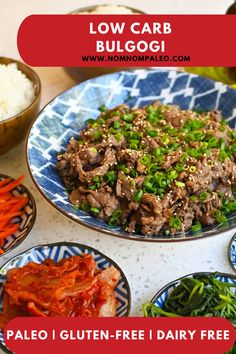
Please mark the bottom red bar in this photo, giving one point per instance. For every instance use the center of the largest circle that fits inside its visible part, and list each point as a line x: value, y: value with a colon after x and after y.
x: 120, y: 335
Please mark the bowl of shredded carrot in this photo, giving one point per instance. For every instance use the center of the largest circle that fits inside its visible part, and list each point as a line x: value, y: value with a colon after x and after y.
x: 17, y: 213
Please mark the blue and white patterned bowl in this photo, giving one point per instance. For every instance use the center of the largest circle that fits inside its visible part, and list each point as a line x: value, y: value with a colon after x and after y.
x: 162, y: 295
x: 25, y: 221
x: 57, y: 251
x: 232, y: 252
x: 65, y: 116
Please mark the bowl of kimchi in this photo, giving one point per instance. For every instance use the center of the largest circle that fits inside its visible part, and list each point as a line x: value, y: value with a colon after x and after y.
x: 69, y: 280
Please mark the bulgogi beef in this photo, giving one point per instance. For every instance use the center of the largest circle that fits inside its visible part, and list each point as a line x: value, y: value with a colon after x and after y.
x: 156, y: 169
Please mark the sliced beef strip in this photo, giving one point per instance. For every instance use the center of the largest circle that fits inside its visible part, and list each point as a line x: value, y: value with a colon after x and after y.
x: 103, y: 199
x: 72, y: 147
x: 174, y: 116
x: 152, y: 225
x: 111, y: 120
x: 186, y: 215
x: 108, y: 161
x: 89, y: 155
x: 129, y: 157
x: 111, y: 141
x: 170, y: 159
x: 152, y: 203
x: 216, y: 116
x: 66, y: 170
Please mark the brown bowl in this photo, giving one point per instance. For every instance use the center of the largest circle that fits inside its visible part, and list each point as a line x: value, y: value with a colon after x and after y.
x: 14, y: 129
x: 85, y: 73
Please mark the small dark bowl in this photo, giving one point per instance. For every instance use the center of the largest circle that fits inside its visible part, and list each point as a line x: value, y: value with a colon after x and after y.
x: 26, y: 221
x: 14, y: 129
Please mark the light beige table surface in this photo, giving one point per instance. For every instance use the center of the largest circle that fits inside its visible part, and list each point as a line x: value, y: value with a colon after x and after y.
x: 148, y: 266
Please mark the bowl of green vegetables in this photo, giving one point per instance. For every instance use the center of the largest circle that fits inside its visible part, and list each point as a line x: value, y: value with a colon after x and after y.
x: 196, y: 294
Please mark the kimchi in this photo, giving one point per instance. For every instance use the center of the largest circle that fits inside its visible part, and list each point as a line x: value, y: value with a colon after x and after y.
x: 73, y: 287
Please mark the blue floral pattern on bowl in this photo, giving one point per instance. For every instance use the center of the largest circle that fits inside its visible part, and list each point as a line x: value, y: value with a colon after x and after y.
x: 58, y: 251
x: 66, y: 115
x: 232, y: 252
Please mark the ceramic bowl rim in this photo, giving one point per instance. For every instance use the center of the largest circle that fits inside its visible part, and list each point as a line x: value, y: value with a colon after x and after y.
x: 233, y: 239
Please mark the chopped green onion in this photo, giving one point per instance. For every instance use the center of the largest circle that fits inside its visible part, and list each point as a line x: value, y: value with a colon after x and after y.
x: 95, y: 210
x: 231, y: 206
x: 93, y: 187
x: 85, y: 206
x: 118, y: 136
x: 203, y: 196
x: 218, y: 216
x: 165, y: 140
x: 180, y: 184
x: 156, y: 152
x: 90, y: 121
x: 133, y: 144
x: 152, y: 133
x: 145, y: 159
x: 133, y: 173
x: 138, y: 195
x: 113, y: 221
x: 192, y: 169
x: 233, y: 148
x: 222, y: 155
x: 194, y: 124
x: 152, y: 168
x: 193, y: 198
x: 172, y: 174
x: 128, y: 126
x: 212, y: 142
x: 96, y: 179
x: 122, y: 167
x: 175, y: 222
x: 116, y: 124
x: 102, y: 108
x: 193, y: 152
x: 127, y: 117
x: 110, y: 177
x: 117, y: 213
x: 179, y: 167
x: 197, y: 226
x: 97, y: 134
x: 101, y: 121
x: 160, y: 180
x: 197, y: 136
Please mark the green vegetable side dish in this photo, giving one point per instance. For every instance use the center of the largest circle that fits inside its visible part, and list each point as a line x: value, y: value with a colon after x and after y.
x: 201, y: 295
x: 155, y: 170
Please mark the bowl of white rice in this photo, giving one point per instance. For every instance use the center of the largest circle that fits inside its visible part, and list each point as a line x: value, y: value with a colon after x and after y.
x: 85, y: 73
x: 20, y: 91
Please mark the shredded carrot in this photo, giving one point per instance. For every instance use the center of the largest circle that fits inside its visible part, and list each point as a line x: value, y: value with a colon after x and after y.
x: 10, y: 186
x: 4, y: 181
x: 11, y: 206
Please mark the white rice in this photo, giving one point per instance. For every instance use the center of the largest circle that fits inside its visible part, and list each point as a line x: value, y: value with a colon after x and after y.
x: 110, y: 10
x: 16, y: 91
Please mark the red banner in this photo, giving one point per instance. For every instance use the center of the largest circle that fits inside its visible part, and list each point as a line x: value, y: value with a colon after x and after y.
x: 120, y: 335
x: 127, y: 40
